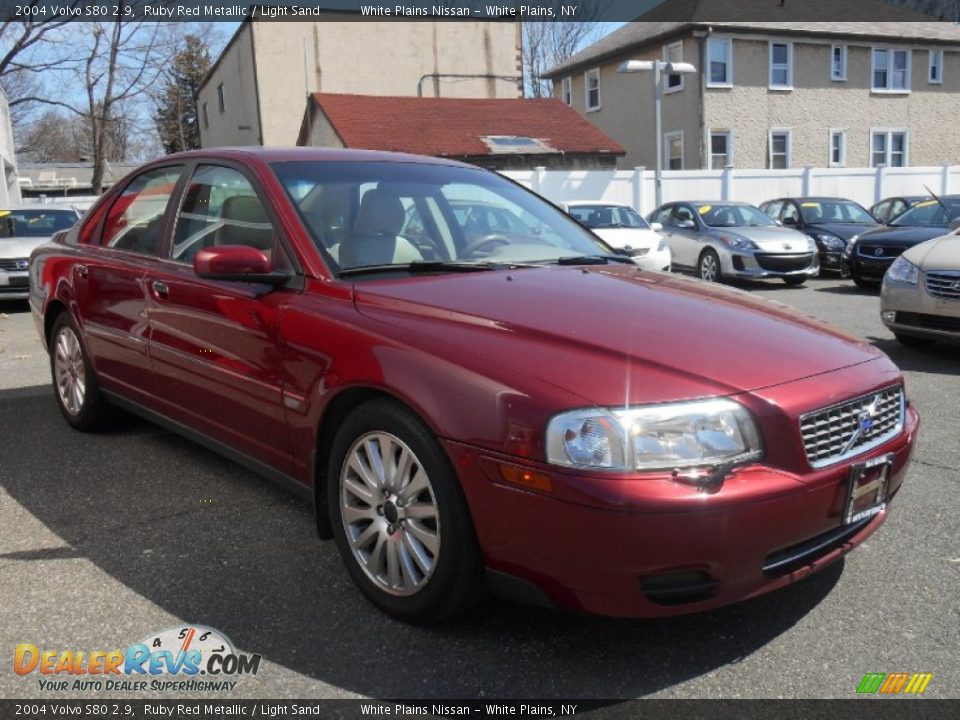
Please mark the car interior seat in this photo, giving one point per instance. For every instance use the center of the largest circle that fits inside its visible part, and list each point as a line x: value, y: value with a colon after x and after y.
x: 245, y: 223
x: 375, y: 239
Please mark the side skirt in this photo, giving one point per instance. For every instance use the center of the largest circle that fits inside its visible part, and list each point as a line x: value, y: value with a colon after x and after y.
x: 288, y: 483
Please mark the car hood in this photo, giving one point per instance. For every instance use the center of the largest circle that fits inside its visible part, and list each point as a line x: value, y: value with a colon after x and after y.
x: 629, y: 237
x: 942, y: 253
x: 609, y: 334
x: 20, y: 247
x: 901, y: 236
x: 843, y: 230
x: 770, y: 239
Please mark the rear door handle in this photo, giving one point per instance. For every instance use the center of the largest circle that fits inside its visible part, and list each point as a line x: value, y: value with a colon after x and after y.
x: 160, y: 289
x: 82, y: 270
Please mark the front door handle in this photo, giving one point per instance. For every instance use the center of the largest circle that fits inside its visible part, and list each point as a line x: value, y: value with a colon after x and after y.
x: 81, y: 270
x: 160, y: 289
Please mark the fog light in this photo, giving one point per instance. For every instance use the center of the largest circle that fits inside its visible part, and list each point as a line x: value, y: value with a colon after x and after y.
x: 888, y: 315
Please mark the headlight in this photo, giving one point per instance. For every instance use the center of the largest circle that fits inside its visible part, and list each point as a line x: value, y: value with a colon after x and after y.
x: 662, y: 245
x: 831, y: 242
x: 737, y: 243
x: 848, y: 250
x: 903, y: 271
x: 655, y: 437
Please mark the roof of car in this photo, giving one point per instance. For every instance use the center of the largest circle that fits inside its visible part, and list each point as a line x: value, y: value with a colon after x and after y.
x: 310, y: 154
x: 812, y: 198
x: 717, y: 203
x: 588, y: 203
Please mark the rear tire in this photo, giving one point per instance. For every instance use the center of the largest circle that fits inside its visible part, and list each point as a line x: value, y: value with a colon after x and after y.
x: 794, y: 281
x: 708, y: 266
x: 74, y: 381
x: 399, y: 516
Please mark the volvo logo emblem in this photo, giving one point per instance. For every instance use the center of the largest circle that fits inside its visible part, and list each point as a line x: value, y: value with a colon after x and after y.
x: 23, y: 264
x: 878, y: 252
x: 865, y: 421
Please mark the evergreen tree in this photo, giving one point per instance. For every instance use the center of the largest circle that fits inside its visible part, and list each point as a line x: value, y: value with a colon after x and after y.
x: 176, y: 115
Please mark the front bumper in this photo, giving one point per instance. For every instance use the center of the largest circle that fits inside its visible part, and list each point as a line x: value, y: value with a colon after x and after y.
x: 14, y: 285
x: 910, y: 310
x: 613, y: 546
x: 869, y: 268
x: 769, y: 265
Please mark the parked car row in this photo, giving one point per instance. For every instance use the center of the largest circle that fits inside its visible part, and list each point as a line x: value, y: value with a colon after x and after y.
x: 22, y: 230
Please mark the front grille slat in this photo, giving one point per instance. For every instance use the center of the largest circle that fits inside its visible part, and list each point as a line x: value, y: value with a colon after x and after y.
x: 826, y: 433
x: 943, y: 285
x: 783, y: 263
x: 12, y: 264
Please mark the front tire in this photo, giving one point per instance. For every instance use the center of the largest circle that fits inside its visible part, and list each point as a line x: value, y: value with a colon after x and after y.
x: 708, y: 266
x: 794, y: 281
x: 74, y: 381
x: 400, y: 520
x: 865, y: 284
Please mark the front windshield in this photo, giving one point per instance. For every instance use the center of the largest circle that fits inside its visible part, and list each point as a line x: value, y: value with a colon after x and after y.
x: 734, y: 216
x: 608, y: 216
x: 35, y: 223
x: 843, y: 212
x: 364, y: 214
x: 930, y: 213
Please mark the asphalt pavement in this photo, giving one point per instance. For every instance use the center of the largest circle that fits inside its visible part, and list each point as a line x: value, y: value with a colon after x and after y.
x: 107, y: 538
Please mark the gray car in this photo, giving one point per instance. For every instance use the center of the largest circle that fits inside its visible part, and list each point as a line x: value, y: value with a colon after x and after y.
x: 727, y: 240
x: 21, y: 230
x: 920, y: 299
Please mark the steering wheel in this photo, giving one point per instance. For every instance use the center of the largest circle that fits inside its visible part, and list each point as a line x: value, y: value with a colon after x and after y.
x: 491, y: 239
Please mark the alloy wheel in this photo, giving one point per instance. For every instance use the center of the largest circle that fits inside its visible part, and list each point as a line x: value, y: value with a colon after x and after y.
x: 709, y: 269
x: 69, y: 371
x: 389, y: 513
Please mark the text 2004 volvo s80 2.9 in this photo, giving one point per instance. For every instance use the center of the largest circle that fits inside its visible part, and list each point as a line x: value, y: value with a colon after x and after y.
x: 523, y: 411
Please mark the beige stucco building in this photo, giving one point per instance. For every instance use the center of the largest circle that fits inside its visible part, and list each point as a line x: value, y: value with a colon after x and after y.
x: 774, y: 95
x: 256, y: 91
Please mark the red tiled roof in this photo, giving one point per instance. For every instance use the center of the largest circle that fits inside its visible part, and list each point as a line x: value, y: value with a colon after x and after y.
x: 453, y: 126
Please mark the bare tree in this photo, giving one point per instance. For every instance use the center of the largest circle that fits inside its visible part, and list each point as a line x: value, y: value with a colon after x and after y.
x: 547, y: 43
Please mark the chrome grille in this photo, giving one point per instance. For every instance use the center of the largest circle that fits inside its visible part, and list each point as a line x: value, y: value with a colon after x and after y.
x: 879, y: 252
x: 944, y: 285
x: 12, y: 264
x: 852, y: 427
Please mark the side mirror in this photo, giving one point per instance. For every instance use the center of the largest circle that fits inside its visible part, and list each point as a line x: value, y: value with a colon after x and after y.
x: 790, y: 221
x: 238, y: 263
x: 686, y: 224
x: 955, y: 224
x: 656, y: 227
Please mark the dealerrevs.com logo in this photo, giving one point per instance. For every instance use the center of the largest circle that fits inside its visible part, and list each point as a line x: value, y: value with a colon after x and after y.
x: 894, y: 683
x: 184, y: 659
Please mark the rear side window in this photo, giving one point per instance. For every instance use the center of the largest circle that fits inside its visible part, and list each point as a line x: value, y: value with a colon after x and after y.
x: 135, y: 220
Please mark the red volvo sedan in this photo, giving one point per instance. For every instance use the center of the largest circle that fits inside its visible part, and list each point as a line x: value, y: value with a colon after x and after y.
x: 519, y: 410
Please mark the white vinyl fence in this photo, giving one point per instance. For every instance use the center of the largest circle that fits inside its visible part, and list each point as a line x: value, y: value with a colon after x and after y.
x: 636, y: 187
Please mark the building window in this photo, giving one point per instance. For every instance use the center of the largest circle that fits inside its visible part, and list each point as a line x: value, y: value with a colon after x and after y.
x: 719, y: 62
x: 888, y: 148
x: 592, y: 81
x: 838, y: 62
x: 566, y: 90
x: 220, y: 101
x: 779, y: 149
x: 936, y: 67
x: 891, y: 70
x: 721, y: 149
x: 673, y: 150
x: 673, y: 53
x: 838, y: 148
x: 781, y: 66
x: 206, y: 117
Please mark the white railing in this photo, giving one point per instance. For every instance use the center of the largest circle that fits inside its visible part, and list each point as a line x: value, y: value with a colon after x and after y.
x: 636, y: 187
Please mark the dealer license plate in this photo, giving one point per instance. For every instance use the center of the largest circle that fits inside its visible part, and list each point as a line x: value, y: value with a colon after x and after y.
x: 867, y: 488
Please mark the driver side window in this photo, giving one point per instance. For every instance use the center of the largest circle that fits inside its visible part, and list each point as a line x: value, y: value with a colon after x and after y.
x: 221, y: 207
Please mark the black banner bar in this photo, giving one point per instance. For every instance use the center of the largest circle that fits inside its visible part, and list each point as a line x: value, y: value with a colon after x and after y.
x: 466, y: 10
x: 113, y: 709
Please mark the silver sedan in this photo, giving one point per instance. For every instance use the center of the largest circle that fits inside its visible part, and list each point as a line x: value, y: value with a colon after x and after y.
x: 725, y: 240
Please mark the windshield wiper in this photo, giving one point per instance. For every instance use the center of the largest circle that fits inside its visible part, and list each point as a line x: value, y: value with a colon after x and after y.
x: 589, y: 260
x: 430, y: 266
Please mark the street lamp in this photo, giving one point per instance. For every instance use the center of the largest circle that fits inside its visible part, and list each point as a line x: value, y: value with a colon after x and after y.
x: 659, y: 68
